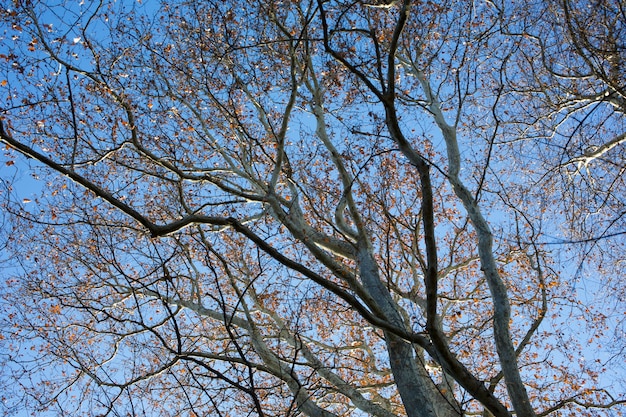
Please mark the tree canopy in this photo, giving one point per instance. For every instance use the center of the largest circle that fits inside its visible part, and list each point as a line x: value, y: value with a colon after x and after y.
x: 318, y: 207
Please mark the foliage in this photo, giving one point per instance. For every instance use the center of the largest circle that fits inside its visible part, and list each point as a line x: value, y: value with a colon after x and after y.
x: 320, y: 208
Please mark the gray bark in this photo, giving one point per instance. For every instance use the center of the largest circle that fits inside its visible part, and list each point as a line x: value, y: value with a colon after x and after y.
x: 419, y: 393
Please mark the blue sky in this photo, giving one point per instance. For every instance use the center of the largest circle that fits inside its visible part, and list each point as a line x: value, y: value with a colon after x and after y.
x: 26, y: 189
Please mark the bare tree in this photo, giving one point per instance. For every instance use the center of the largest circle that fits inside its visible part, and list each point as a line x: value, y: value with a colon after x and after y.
x: 306, y: 207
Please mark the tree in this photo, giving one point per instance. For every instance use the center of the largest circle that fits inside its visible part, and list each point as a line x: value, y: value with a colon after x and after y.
x: 310, y: 207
